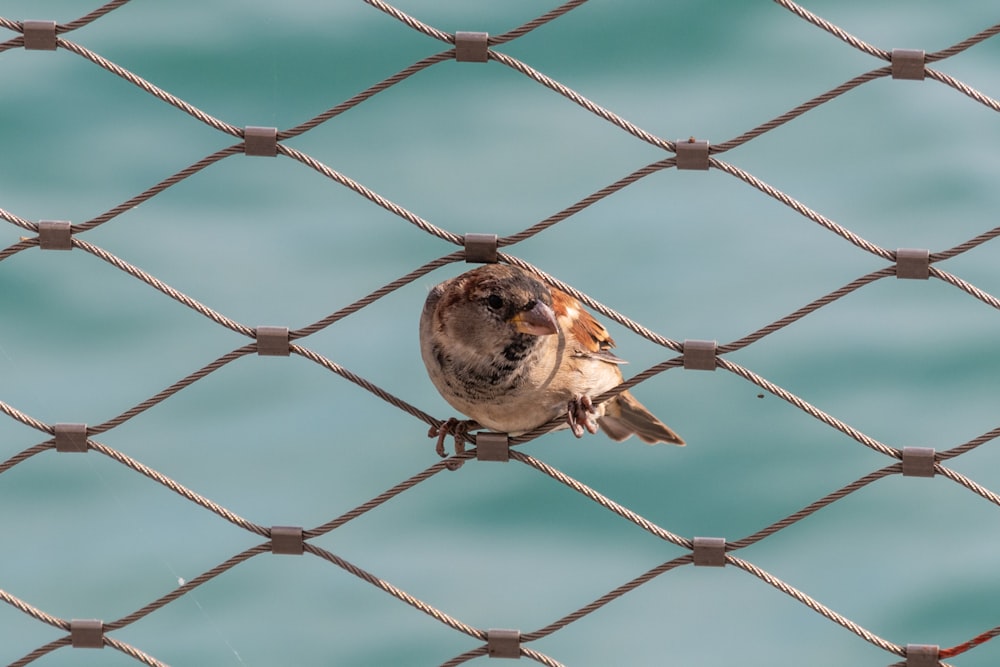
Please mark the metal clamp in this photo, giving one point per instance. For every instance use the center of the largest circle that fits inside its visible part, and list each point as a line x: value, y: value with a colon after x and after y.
x: 913, y: 263
x: 55, y: 235
x: 86, y: 633
x: 922, y: 655
x: 918, y: 461
x: 287, y: 540
x: 481, y: 248
x: 908, y: 64
x: 492, y: 447
x: 71, y: 437
x: 503, y: 643
x: 699, y: 355
x: 709, y: 551
x: 471, y: 47
x: 272, y: 341
x: 260, y: 141
x: 39, y: 35
x: 691, y: 154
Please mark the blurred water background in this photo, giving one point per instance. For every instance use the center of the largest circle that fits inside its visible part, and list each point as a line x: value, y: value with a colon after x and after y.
x: 480, y: 148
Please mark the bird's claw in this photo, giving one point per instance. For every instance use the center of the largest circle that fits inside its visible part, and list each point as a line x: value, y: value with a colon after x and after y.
x: 580, y: 415
x: 459, y: 428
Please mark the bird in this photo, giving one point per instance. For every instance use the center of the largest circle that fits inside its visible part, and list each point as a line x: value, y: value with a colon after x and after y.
x: 512, y: 353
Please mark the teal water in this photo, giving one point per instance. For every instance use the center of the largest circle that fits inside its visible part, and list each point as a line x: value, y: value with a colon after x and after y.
x: 480, y: 148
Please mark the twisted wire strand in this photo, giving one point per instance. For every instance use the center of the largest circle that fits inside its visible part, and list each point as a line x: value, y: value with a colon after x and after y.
x: 161, y: 286
x: 639, y: 378
x: 412, y: 22
x: 177, y: 488
x: 540, y: 657
x: 366, y: 94
x: 834, y: 30
x: 33, y: 611
x: 133, y: 652
x: 41, y: 651
x: 396, y: 592
x: 648, y: 334
x: 965, y: 286
x: 16, y: 414
x: 814, y: 507
x: 91, y: 17
x: 116, y: 644
x: 64, y: 625
x: 963, y: 88
x: 23, y: 244
x: 587, y: 201
x: 602, y: 500
x: 381, y: 498
x: 172, y: 389
x: 968, y: 483
x: 559, y: 421
x: 364, y: 384
x: 236, y: 149
x: 966, y: 246
x: 904, y: 663
x: 153, y: 90
x: 23, y: 456
x: 792, y: 114
x: 27, y: 225
x: 815, y: 605
x: 463, y: 658
x: 802, y: 209
x: 823, y: 98
x: 369, y: 194
x: 808, y: 408
x: 812, y: 307
x: 955, y: 49
x: 188, y: 586
x: 580, y: 100
x: 523, y: 30
x: 410, y: 277
x: 972, y: 643
x: 482, y: 650
x: 14, y: 42
x: 673, y: 363
x: 608, y: 597
x: 861, y: 45
x: 970, y: 445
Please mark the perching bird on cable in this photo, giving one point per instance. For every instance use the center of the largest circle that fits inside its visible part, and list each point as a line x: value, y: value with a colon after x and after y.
x: 512, y: 353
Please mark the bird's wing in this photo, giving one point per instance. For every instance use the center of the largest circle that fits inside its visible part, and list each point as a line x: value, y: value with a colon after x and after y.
x: 589, y: 337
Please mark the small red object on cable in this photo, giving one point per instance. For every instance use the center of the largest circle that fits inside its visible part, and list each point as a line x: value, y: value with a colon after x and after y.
x: 972, y: 643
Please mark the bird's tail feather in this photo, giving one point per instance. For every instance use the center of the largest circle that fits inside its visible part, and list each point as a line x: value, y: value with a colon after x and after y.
x: 625, y: 416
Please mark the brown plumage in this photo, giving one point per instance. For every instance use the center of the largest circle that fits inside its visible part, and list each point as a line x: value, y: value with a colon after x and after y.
x: 512, y: 353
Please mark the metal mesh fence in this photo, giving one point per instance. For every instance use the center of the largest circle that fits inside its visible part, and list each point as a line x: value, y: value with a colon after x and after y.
x: 484, y: 50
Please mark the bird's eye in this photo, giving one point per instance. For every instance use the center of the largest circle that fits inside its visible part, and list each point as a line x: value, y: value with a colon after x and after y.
x: 494, y: 302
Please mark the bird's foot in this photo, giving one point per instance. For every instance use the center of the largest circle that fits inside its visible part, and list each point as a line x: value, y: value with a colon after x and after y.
x: 458, y: 428
x: 580, y: 415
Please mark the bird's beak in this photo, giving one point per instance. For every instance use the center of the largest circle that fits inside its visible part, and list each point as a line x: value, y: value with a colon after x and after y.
x: 539, y: 320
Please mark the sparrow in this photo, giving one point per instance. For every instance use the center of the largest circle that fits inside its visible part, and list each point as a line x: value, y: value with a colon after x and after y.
x: 512, y: 353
